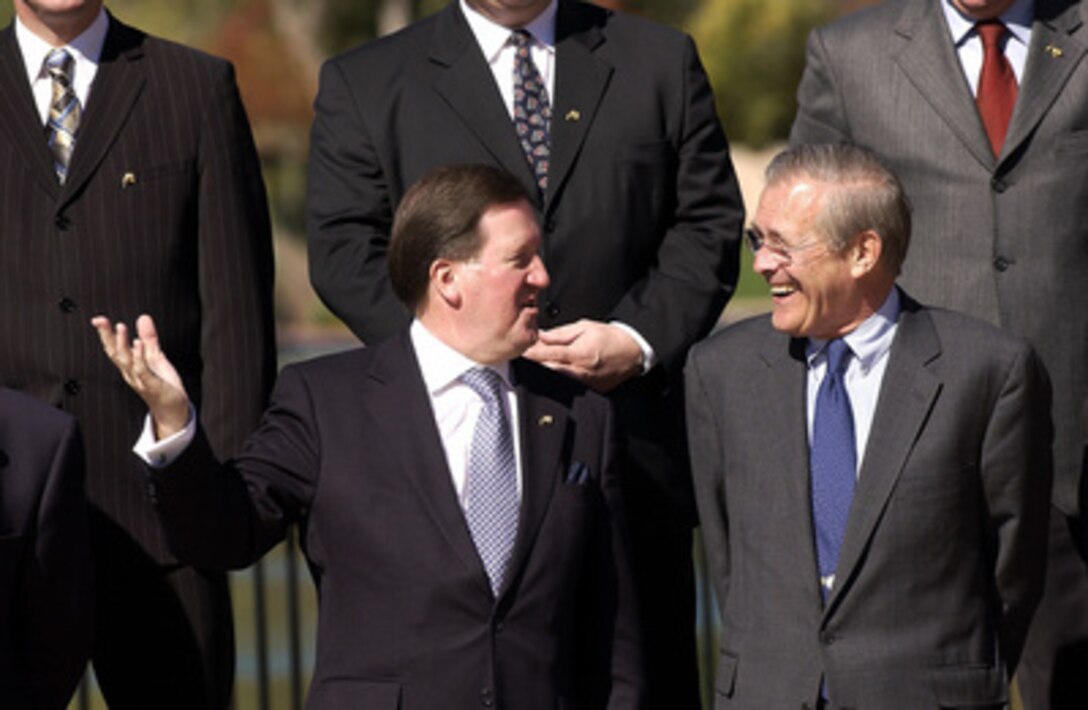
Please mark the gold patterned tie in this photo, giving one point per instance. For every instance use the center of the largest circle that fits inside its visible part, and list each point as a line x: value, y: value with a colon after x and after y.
x: 64, y: 111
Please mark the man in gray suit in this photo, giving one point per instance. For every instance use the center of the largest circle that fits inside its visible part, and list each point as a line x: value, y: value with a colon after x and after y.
x: 1001, y: 233
x: 872, y: 475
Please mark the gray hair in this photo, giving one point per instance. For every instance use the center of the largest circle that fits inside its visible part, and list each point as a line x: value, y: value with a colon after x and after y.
x: 865, y: 195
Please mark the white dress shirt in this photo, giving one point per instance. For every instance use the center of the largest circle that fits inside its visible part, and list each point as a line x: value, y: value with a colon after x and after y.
x: 455, y: 406
x: 493, y: 39
x: 1017, y: 19
x: 86, y: 49
x: 870, y: 343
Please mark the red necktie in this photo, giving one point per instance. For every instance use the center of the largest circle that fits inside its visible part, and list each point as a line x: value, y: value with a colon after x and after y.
x: 996, y: 84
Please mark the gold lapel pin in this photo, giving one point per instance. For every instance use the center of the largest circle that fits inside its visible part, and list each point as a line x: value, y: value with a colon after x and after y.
x: 128, y: 179
x: 546, y: 420
x: 1053, y: 51
x: 573, y: 115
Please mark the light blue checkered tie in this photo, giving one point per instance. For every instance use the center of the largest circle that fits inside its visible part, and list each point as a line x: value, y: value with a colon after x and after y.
x: 64, y: 111
x: 832, y: 462
x: 491, y: 487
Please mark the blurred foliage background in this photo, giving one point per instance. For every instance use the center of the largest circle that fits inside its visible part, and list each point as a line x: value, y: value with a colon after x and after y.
x: 753, y: 51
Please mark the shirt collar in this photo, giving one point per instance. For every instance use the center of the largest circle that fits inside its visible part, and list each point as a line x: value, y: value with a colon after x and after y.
x: 870, y: 340
x: 86, y: 48
x: 1017, y: 19
x: 492, y: 37
x: 441, y: 365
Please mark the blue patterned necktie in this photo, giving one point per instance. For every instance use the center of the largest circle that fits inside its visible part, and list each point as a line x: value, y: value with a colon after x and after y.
x: 532, y: 111
x: 491, y: 487
x: 833, y: 463
x: 64, y: 111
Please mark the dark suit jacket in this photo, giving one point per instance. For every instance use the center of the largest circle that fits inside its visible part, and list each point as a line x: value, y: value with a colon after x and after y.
x: 350, y: 452
x: 187, y: 241
x: 642, y: 217
x: 1001, y: 238
x: 943, y: 558
x: 46, y: 594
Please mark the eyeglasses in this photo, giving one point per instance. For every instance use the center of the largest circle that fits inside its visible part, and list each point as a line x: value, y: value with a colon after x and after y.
x: 783, y: 252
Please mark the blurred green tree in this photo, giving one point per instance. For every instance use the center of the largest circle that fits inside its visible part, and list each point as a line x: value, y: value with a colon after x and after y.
x: 754, y: 53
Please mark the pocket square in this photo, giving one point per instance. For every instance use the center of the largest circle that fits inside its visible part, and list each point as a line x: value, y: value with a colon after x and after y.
x: 578, y: 474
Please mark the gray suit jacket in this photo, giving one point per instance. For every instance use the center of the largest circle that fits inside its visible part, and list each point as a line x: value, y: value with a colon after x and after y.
x: 943, y: 558
x: 1003, y: 239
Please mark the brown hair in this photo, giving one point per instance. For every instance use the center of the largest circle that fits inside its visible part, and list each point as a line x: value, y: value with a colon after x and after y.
x: 438, y: 219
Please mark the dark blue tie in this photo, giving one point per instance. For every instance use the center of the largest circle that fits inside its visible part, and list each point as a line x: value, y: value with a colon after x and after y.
x: 491, y: 485
x: 833, y: 463
x: 532, y: 110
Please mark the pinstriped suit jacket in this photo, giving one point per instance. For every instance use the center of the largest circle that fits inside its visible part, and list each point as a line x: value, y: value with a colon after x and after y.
x: 185, y: 238
x: 1006, y: 238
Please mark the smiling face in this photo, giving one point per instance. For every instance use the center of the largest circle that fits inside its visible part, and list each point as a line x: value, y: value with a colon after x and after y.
x: 815, y: 290
x: 494, y: 293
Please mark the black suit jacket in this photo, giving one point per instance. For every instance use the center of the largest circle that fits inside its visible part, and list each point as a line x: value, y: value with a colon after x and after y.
x: 641, y: 219
x: 349, y: 451
x: 185, y: 238
x: 46, y: 593
x: 943, y: 557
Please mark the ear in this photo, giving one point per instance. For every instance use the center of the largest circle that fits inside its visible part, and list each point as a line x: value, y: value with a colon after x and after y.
x: 444, y: 281
x: 865, y: 254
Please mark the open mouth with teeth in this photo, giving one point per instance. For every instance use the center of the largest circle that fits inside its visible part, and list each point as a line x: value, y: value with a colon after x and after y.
x: 782, y: 290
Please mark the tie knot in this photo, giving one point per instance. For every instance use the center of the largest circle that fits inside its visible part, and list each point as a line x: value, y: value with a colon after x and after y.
x: 485, y: 382
x: 59, y: 63
x: 990, y: 32
x: 521, y: 38
x: 837, y: 354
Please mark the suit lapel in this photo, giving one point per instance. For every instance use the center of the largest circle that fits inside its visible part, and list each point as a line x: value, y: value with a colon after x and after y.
x: 19, y: 116
x: 467, y: 86
x: 907, y: 395
x: 785, y: 444
x: 929, y: 61
x: 542, y: 428
x: 580, y: 81
x: 415, y: 441
x: 117, y: 84
x: 1056, y: 50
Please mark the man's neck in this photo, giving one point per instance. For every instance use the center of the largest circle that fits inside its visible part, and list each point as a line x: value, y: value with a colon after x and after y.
x: 57, y: 28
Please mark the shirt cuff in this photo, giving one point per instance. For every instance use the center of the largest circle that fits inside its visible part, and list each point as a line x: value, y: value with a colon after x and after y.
x: 162, y: 453
x: 648, y: 357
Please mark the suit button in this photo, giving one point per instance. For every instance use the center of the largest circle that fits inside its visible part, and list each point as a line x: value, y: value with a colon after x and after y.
x: 552, y: 310
x: 827, y: 639
x: 549, y: 225
x: 71, y: 386
x: 500, y: 627
x: 67, y: 305
x: 62, y: 222
x: 998, y: 185
x: 487, y: 698
x: 1001, y: 263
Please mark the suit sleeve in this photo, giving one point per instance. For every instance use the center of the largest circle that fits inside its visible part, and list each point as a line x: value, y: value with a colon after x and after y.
x: 696, y: 267
x: 226, y: 515
x: 349, y: 215
x: 235, y: 271
x: 56, y: 590
x: 820, y: 116
x: 708, y: 475
x: 1017, y: 468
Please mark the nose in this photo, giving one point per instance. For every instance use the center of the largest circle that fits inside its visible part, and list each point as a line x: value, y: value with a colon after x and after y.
x: 538, y: 274
x: 764, y: 261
